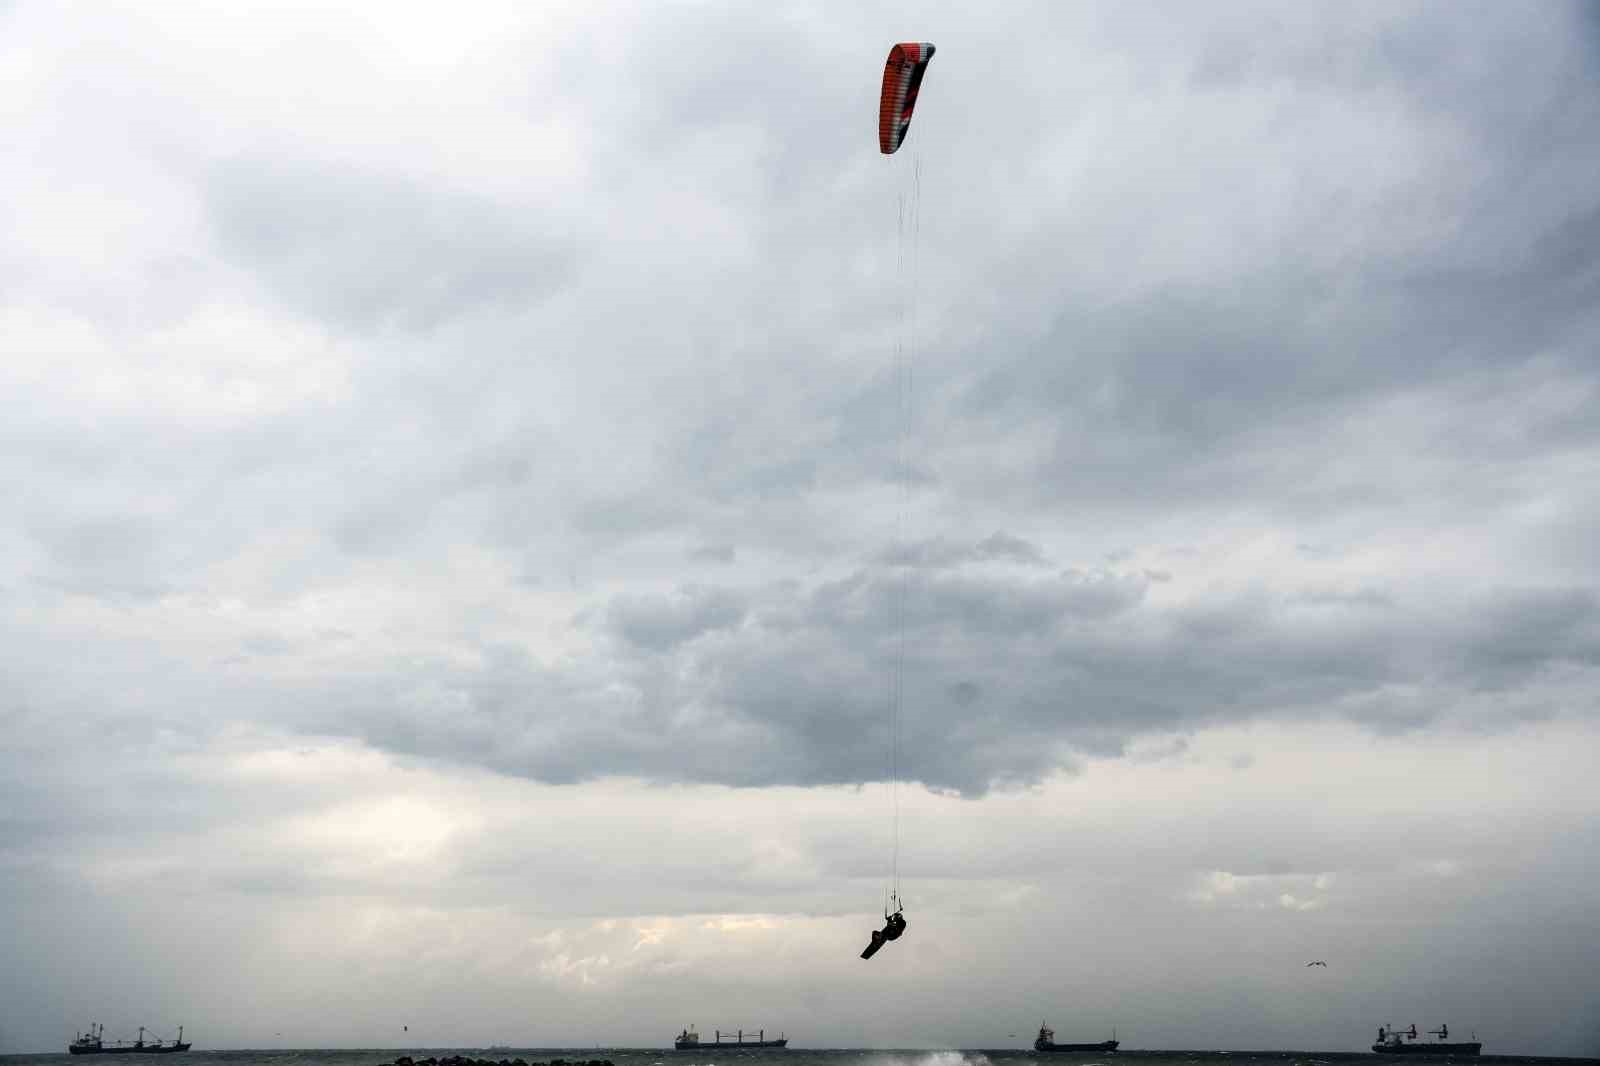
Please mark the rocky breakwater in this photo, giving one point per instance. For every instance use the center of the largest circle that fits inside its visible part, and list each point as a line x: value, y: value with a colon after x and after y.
x: 463, y: 1060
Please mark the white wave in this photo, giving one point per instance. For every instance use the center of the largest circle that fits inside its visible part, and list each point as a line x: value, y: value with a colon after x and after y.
x: 929, y: 1058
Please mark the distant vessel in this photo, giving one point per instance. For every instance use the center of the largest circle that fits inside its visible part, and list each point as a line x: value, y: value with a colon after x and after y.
x: 1046, y: 1041
x: 93, y: 1043
x: 1392, y: 1041
x: 689, y: 1040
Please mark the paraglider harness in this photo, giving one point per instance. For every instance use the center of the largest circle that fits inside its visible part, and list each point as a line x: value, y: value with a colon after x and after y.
x: 894, y: 924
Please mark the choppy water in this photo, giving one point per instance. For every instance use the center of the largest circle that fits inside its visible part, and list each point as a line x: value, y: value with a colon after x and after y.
x: 789, y: 1057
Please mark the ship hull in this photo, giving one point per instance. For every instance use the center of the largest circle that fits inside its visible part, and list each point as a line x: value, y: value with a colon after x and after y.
x: 1053, y: 1048
x: 148, y: 1049
x: 1427, y: 1049
x: 699, y: 1045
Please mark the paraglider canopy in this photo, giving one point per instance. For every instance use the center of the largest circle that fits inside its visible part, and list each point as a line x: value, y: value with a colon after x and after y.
x: 902, y: 77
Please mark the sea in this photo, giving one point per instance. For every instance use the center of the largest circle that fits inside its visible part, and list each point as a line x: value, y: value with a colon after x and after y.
x: 754, y: 1057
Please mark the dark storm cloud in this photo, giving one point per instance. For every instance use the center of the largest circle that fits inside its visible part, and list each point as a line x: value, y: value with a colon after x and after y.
x: 1005, y: 679
x: 1200, y: 396
x: 1506, y: 641
x: 794, y: 695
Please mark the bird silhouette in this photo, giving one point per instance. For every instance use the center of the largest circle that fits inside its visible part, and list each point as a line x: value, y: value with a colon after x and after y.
x: 1319, y: 962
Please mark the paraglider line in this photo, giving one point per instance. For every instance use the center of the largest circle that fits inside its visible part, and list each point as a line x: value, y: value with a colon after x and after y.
x: 898, y: 681
x: 904, y: 337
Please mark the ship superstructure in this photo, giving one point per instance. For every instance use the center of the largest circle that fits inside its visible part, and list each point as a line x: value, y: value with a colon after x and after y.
x: 689, y: 1040
x: 93, y: 1042
x: 1046, y: 1042
x: 1392, y: 1041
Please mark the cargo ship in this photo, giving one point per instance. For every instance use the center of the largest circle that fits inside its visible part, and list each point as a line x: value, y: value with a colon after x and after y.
x: 689, y: 1040
x: 93, y: 1043
x: 1392, y: 1041
x: 1046, y: 1041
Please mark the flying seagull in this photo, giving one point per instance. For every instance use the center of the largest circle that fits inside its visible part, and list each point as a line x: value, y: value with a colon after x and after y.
x: 1319, y: 962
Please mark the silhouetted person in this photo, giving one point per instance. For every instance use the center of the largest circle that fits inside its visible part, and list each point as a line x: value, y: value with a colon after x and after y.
x: 892, y: 928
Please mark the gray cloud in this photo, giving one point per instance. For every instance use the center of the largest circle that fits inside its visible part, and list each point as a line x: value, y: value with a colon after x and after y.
x: 594, y: 391
x: 997, y: 547
x: 372, y: 250
x: 662, y: 623
x: 1005, y: 679
x: 715, y: 553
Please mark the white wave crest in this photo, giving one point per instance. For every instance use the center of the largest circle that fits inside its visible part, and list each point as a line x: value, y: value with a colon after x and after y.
x: 929, y: 1058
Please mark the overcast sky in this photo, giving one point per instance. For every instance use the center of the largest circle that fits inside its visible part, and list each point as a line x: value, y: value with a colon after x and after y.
x: 468, y: 471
